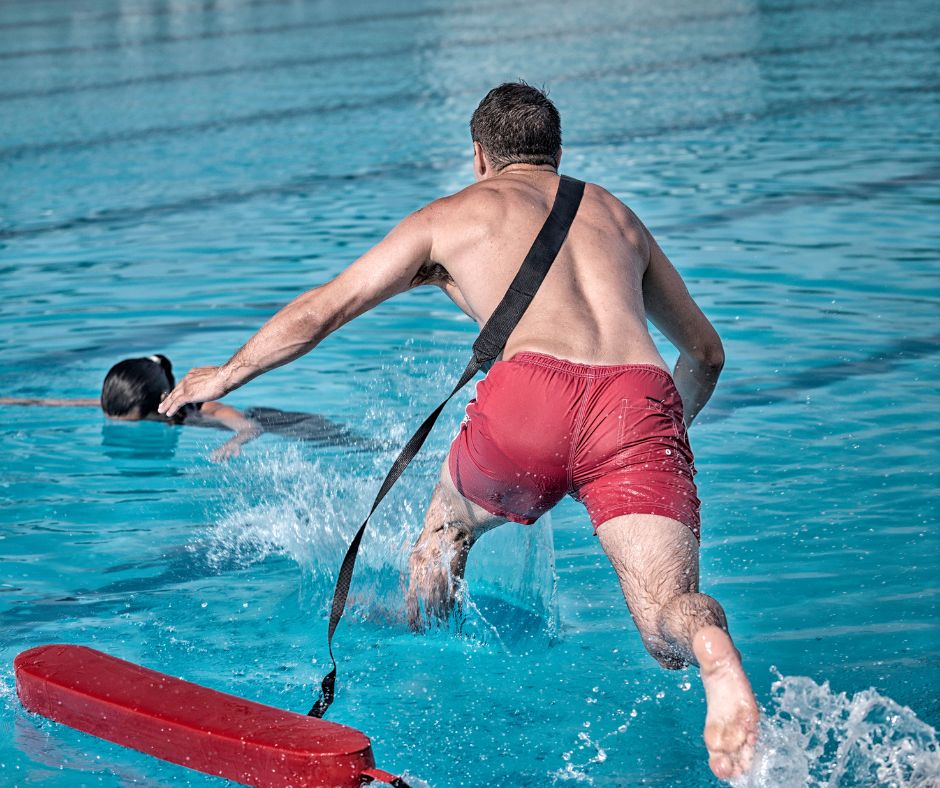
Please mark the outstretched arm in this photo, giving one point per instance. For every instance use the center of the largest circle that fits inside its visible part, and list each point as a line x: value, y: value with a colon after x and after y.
x: 385, y: 270
x: 52, y: 403
x: 672, y: 310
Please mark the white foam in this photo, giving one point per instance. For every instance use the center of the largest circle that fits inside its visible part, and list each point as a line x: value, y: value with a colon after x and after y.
x: 8, y: 698
x: 815, y: 737
x: 282, y: 503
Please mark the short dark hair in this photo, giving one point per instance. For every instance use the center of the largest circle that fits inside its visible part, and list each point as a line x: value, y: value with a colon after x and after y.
x: 517, y: 124
x: 136, y: 383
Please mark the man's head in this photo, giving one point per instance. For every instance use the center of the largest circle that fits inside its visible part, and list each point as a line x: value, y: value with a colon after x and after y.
x: 515, y: 124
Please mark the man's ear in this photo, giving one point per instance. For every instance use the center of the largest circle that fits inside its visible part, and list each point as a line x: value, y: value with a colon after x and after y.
x: 481, y: 167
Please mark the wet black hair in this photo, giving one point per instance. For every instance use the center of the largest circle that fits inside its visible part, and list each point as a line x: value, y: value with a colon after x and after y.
x: 517, y: 124
x: 137, y: 384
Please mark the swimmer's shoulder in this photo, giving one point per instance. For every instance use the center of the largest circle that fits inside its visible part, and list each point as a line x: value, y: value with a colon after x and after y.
x: 211, y: 411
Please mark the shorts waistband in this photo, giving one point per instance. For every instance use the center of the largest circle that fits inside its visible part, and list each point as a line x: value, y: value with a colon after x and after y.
x: 583, y: 370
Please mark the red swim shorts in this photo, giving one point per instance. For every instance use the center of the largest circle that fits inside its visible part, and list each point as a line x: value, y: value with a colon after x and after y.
x: 610, y: 436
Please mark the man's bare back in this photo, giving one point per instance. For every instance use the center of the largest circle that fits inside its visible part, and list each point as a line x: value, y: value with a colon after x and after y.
x: 581, y: 353
x: 590, y: 306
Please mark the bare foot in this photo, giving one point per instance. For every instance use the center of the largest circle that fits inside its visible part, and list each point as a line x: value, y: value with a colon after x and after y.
x: 430, y: 587
x: 731, y: 721
x: 436, y: 568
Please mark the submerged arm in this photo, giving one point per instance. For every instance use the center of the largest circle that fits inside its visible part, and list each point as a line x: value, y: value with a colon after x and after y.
x: 672, y: 310
x: 385, y: 270
x: 244, y: 428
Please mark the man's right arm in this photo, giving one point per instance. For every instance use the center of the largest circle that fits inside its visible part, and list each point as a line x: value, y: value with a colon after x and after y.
x: 385, y: 270
x: 672, y: 310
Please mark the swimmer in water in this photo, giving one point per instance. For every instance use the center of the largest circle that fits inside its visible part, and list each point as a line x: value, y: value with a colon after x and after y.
x: 132, y: 391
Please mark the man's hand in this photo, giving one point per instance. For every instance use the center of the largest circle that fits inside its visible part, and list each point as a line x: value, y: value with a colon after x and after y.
x: 202, y: 384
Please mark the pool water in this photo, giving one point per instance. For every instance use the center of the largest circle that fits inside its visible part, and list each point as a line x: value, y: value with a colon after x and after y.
x: 173, y: 171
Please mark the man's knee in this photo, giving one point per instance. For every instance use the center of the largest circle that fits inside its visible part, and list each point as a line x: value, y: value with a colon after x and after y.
x: 683, y: 615
x: 662, y: 650
x: 694, y: 608
x: 655, y: 638
x: 674, y: 622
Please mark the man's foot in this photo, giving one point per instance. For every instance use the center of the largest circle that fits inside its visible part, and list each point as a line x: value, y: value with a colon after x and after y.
x: 431, y: 586
x: 731, y: 721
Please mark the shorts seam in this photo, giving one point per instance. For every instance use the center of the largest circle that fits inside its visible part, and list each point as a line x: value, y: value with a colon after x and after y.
x: 576, y: 434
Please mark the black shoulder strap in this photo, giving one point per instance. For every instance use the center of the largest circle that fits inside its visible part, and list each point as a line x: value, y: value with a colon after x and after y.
x: 487, y: 347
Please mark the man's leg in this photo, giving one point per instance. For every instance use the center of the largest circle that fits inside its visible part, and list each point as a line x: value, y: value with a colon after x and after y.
x: 656, y: 560
x: 438, y: 560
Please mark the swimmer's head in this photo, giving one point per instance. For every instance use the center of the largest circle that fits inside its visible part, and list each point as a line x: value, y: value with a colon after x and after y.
x: 133, y: 388
x: 515, y: 124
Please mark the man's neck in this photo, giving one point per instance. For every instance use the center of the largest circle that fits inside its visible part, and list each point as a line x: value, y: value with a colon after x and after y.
x: 526, y: 168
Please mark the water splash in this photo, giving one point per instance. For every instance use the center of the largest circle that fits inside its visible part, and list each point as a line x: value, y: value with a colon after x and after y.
x: 512, y: 583
x: 816, y: 737
x: 578, y: 771
x: 8, y: 698
x: 284, y: 504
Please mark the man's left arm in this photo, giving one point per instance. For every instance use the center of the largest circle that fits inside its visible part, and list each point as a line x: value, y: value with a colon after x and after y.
x: 385, y: 270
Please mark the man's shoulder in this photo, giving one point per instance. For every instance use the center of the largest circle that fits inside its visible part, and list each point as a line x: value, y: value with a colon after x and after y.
x: 491, y: 198
x: 605, y: 197
x: 616, y: 210
x: 472, y: 203
x: 479, y: 193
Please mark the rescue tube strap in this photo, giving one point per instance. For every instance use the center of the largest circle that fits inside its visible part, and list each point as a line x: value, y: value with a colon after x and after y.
x: 487, y: 348
x: 382, y: 776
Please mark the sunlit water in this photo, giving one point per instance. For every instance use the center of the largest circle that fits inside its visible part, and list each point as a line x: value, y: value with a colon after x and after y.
x: 172, y: 172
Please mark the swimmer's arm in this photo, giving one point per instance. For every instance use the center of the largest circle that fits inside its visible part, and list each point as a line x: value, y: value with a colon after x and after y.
x: 244, y: 428
x: 51, y: 403
x: 672, y: 310
x: 385, y: 270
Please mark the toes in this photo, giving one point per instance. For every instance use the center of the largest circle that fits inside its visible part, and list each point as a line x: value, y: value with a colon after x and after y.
x: 721, y: 765
x: 731, y: 746
x: 745, y: 760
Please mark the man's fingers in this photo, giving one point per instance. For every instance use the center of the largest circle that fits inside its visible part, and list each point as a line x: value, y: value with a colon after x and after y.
x: 197, y: 386
x: 171, y: 404
x: 166, y: 407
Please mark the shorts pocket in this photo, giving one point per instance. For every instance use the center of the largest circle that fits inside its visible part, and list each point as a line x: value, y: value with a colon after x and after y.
x: 647, y: 428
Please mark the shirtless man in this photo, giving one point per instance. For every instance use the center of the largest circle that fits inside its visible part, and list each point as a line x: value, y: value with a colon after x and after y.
x: 582, y: 402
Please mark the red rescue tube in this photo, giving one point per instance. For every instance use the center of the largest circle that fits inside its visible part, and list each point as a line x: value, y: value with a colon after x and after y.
x: 187, y: 724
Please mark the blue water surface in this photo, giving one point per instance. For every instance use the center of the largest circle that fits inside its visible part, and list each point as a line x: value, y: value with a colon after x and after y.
x: 173, y: 171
